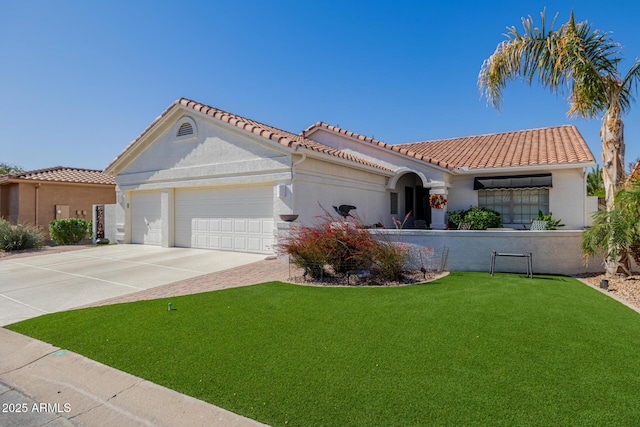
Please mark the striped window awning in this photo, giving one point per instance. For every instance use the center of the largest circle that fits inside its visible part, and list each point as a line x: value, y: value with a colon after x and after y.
x: 512, y: 182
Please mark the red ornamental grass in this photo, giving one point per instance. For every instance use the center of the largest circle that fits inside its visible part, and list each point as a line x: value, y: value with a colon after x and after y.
x: 344, y: 246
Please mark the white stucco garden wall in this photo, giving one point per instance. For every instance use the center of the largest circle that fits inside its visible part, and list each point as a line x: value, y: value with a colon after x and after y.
x: 554, y: 252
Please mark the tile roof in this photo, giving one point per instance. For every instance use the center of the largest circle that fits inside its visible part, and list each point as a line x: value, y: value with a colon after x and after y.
x: 397, y: 148
x: 535, y: 147
x: 62, y: 174
x: 279, y: 136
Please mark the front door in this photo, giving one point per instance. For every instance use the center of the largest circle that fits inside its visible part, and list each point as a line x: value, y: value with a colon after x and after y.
x: 423, y: 210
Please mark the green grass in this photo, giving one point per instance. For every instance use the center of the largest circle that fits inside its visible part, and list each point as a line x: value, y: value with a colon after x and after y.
x: 469, y: 349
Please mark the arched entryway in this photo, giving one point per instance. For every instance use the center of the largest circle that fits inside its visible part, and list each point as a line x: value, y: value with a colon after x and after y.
x: 410, y: 195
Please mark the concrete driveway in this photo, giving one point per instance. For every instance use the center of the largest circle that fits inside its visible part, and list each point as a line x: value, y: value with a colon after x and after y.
x: 48, y: 283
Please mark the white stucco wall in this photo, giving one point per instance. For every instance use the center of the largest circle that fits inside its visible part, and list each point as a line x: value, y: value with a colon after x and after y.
x: 567, y: 197
x: 318, y: 183
x: 435, y: 176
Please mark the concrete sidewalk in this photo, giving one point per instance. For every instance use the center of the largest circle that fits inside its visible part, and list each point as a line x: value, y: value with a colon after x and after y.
x: 44, y: 385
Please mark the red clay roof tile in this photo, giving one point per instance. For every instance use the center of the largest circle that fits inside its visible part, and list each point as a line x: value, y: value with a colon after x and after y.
x: 534, y: 147
x: 63, y: 174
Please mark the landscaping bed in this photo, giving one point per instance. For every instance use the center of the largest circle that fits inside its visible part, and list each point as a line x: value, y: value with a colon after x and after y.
x: 627, y: 289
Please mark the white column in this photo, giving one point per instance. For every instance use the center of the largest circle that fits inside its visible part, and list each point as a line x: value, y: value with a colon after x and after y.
x: 167, y: 215
x: 439, y: 216
x: 125, y: 227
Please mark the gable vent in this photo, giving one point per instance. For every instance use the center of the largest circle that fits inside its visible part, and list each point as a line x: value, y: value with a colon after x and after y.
x: 185, y: 129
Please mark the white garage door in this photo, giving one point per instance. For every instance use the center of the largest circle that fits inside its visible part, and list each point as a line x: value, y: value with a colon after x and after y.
x: 146, y: 224
x: 229, y: 218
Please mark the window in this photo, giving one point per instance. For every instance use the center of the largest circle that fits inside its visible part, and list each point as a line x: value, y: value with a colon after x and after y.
x: 517, y: 206
x: 394, y: 203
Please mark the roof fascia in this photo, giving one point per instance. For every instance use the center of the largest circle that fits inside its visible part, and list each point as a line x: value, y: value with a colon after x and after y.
x: 520, y: 169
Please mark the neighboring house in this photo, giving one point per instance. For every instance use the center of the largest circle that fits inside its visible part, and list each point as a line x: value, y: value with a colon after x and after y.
x: 202, y: 177
x: 37, y: 197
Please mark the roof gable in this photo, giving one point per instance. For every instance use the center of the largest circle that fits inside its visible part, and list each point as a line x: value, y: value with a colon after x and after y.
x: 61, y: 174
x: 284, y: 138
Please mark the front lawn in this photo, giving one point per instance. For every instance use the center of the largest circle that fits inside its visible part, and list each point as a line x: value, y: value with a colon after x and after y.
x: 468, y: 349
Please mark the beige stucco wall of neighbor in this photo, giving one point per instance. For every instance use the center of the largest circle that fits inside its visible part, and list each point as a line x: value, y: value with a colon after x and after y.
x: 34, y: 204
x: 9, y: 202
x: 554, y: 252
x: 318, y: 184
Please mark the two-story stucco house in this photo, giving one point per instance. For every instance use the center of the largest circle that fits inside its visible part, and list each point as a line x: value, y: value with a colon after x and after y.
x: 202, y: 177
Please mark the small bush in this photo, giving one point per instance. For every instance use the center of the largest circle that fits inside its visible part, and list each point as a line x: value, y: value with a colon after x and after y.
x: 15, y: 238
x: 456, y: 218
x: 480, y: 218
x: 68, y: 231
x: 390, y: 260
x: 344, y: 246
x: 552, y: 223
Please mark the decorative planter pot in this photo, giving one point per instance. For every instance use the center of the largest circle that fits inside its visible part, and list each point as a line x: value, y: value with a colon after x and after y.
x: 288, y: 217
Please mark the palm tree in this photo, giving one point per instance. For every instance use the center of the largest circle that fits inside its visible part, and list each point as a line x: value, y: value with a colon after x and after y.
x: 581, y: 59
x: 595, y: 184
x: 616, y: 232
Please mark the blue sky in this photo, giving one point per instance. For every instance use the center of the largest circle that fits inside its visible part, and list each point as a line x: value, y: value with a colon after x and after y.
x: 80, y: 80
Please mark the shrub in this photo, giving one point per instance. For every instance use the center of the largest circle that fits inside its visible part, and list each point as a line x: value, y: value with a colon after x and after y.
x: 305, y: 246
x: 552, y: 223
x: 348, y: 247
x: 14, y: 238
x: 480, y: 218
x: 456, y: 218
x: 390, y: 260
x: 68, y: 231
x: 339, y: 244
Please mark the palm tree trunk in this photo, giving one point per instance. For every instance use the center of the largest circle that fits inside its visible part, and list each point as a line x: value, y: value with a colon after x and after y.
x: 612, y: 137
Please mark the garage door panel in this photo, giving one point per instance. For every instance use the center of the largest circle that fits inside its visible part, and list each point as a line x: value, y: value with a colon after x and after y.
x: 237, y: 219
x: 254, y: 244
x: 254, y: 226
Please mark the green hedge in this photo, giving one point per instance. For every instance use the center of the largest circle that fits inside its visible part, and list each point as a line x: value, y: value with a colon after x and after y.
x: 69, y: 231
x: 480, y: 218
